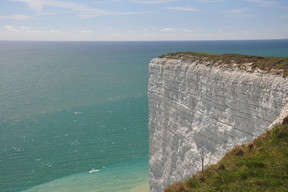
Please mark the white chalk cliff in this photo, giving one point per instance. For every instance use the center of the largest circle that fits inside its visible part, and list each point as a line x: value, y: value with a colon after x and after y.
x: 198, y: 110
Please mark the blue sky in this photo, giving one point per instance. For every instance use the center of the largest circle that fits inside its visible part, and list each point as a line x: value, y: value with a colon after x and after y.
x: 110, y: 20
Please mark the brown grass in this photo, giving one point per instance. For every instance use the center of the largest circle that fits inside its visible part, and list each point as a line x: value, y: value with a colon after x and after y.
x: 274, y: 65
x: 261, y: 165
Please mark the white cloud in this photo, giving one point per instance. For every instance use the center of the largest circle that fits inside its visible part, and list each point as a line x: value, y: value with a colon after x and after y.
x: 33, y: 4
x: 237, y: 11
x: 26, y: 29
x: 167, y: 29
x: 83, y: 11
x: 91, y: 13
x: 241, y: 12
x: 87, y: 31
x: 17, y: 17
x: 17, y: 29
x: 265, y: 3
x: 180, y: 30
x: 38, y: 5
x: 182, y: 9
x: 10, y: 28
x: 152, y: 2
x: 10, y: 32
x: 212, y: 1
x: 188, y: 30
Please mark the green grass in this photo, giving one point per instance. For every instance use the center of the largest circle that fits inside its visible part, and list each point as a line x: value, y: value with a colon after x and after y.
x: 275, y: 65
x: 261, y: 165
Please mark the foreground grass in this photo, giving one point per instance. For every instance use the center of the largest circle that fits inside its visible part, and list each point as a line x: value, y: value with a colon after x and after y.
x: 275, y: 65
x: 261, y: 165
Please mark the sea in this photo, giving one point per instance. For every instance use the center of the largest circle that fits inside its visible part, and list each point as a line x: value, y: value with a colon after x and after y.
x: 74, y: 115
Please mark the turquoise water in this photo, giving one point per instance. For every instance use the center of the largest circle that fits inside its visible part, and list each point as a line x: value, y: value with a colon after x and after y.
x: 119, y: 177
x: 67, y: 108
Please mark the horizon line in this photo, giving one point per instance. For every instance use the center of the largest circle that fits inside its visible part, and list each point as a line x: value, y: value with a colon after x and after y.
x: 142, y: 40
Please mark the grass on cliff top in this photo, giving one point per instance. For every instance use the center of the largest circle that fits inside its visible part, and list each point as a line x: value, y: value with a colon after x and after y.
x: 261, y: 165
x: 276, y: 65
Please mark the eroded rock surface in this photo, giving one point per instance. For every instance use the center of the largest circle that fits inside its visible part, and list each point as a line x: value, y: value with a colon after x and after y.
x: 197, y: 110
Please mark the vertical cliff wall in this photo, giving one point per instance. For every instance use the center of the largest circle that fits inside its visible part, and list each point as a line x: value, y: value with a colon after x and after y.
x: 199, y: 111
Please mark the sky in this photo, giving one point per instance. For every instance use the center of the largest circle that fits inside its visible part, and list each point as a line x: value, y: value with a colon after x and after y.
x: 143, y: 20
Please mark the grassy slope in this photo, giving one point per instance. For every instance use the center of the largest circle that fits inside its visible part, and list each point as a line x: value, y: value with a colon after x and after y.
x: 275, y: 65
x: 261, y: 165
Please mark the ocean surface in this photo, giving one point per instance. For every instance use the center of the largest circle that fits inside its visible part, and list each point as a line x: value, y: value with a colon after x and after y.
x: 74, y: 115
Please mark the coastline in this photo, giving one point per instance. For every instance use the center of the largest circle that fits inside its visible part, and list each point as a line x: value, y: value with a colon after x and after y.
x: 141, y: 188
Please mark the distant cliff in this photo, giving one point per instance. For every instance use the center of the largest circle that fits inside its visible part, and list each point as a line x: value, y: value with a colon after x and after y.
x: 202, y: 105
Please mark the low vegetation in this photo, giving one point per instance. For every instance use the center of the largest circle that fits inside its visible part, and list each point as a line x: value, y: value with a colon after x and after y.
x: 275, y: 65
x: 261, y: 165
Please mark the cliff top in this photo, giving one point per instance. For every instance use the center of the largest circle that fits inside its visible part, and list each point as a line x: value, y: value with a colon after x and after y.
x: 274, y: 65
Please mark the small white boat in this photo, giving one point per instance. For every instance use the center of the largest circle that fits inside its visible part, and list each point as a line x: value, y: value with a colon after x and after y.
x: 93, y: 171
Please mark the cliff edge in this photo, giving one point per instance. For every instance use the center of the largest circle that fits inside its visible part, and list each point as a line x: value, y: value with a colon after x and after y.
x: 202, y: 105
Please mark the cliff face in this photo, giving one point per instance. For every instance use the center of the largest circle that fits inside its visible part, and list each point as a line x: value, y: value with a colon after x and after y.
x: 197, y: 112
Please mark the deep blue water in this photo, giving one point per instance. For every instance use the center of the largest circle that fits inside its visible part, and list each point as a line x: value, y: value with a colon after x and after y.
x: 69, y: 107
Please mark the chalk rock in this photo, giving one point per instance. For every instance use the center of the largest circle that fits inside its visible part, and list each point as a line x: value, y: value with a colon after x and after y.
x: 197, y: 110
